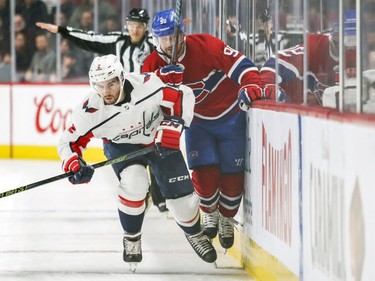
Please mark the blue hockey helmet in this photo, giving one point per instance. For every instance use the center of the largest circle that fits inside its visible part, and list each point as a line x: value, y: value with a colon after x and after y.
x: 164, y: 22
x: 349, y: 25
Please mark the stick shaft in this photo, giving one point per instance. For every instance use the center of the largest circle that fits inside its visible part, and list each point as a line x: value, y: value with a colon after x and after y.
x: 121, y: 158
x: 176, y: 31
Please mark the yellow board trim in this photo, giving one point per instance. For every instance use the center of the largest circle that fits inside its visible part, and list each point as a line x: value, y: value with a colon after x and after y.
x: 91, y: 155
x: 5, y: 151
x: 261, y: 265
x: 257, y: 262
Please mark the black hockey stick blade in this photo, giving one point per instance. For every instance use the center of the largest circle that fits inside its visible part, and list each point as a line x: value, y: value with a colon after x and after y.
x: 121, y: 158
x: 176, y: 31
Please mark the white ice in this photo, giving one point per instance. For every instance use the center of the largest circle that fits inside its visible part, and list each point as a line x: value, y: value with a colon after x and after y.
x: 58, y: 231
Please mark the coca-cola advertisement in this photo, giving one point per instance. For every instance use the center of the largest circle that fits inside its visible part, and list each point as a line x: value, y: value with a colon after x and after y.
x: 33, y: 118
x: 41, y: 112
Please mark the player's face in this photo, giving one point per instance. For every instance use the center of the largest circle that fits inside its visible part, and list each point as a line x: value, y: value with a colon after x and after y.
x: 136, y: 30
x: 167, y: 43
x: 109, y: 90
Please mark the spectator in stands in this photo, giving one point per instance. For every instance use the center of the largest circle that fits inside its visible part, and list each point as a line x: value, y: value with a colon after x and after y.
x: 43, y: 63
x: 73, y: 53
x: 66, y: 7
x: 111, y: 25
x: 32, y: 11
x: 5, y: 69
x: 69, y: 71
x: 4, y: 38
x: 20, y: 26
x: 87, y: 21
x: 23, y: 55
x: 105, y: 9
x: 4, y: 15
x: 62, y: 18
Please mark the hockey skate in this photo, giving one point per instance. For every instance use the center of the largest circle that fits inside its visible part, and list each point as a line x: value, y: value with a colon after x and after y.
x: 226, y: 232
x: 132, y: 250
x: 202, y: 246
x: 210, y: 222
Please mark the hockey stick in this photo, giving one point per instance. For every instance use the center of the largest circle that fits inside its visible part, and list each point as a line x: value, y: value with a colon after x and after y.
x: 121, y: 158
x: 176, y: 31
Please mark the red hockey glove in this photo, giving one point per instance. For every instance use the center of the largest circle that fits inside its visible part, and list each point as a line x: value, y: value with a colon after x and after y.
x: 248, y: 94
x: 82, y: 171
x: 171, y: 74
x: 270, y: 91
x: 167, y: 137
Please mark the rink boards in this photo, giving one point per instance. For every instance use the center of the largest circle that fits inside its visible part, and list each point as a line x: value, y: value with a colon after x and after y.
x: 34, y: 116
x: 308, y: 204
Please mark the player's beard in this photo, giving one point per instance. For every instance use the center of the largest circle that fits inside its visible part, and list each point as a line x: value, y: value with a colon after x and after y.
x: 110, y: 99
x: 168, y: 51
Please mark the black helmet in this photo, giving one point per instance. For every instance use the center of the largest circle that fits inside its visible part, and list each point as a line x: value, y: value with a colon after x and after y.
x: 140, y: 15
x: 265, y: 15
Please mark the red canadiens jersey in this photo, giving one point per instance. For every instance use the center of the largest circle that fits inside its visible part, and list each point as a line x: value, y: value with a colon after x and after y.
x: 213, y: 70
x: 322, y: 62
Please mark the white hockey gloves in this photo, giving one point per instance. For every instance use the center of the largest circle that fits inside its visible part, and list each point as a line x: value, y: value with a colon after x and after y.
x: 247, y: 94
x: 82, y: 171
x: 167, y: 137
x: 171, y: 74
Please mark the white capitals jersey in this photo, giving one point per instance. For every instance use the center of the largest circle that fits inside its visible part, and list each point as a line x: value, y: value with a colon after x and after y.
x: 134, y: 121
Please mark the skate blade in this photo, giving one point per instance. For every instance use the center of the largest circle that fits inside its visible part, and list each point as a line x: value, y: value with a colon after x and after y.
x: 133, y: 266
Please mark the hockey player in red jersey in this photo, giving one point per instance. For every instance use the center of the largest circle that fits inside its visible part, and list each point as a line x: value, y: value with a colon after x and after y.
x: 215, y: 141
x: 321, y: 72
x: 130, y: 111
x: 323, y: 65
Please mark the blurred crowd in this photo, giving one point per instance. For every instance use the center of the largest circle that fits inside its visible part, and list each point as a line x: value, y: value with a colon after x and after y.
x: 36, y: 49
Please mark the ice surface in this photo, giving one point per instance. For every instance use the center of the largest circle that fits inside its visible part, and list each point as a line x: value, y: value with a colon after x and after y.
x: 59, y: 231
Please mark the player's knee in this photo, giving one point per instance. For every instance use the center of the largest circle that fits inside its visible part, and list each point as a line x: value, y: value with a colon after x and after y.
x: 184, y: 209
x: 232, y: 184
x: 206, y: 180
x: 132, y: 189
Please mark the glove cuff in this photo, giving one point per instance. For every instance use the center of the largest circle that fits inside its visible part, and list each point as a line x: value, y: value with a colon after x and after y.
x: 71, y: 163
x: 250, y: 85
x: 175, y: 119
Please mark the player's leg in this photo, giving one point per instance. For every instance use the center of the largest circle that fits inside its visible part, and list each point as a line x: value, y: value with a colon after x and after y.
x: 132, y: 191
x: 156, y: 195
x: 206, y: 182
x: 174, y: 180
x: 232, y: 155
x: 203, y: 159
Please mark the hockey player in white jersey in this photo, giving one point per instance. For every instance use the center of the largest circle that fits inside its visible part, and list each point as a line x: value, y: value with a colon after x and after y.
x: 131, y: 47
x: 130, y: 111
